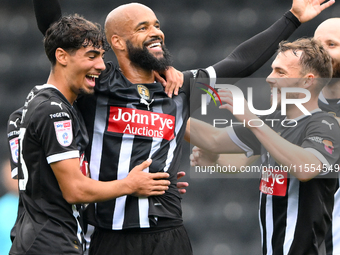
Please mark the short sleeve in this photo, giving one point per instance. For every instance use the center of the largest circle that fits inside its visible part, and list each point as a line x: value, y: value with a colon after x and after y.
x: 13, y: 127
x: 245, y: 139
x: 52, y: 124
x: 322, y: 138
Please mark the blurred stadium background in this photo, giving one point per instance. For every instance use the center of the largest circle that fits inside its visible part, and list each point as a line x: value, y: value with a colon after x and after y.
x: 220, y: 214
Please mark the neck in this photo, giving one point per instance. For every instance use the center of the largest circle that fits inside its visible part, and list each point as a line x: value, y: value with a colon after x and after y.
x: 61, y: 86
x: 332, y: 90
x: 136, y: 74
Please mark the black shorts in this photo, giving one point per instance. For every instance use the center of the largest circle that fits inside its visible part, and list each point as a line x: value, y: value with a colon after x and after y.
x: 168, y: 241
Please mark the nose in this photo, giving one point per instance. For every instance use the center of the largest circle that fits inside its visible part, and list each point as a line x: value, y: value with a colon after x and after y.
x: 100, y: 65
x: 156, y: 32
x: 270, y: 79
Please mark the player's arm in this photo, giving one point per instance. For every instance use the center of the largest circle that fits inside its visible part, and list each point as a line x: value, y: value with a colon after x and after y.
x: 207, y: 137
x: 288, y: 154
x: 13, y: 127
x: 77, y: 188
x: 46, y: 13
x: 253, y: 53
x: 295, y: 158
x: 200, y: 157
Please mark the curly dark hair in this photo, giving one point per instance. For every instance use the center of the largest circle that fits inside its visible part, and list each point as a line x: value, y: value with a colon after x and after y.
x: 71, y: 33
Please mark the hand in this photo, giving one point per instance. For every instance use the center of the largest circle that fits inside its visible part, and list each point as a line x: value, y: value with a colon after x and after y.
x: 181, y: 185
x: 306, y: 10
x: 174, y: 80
x: 200, y: 157
x: 144, y: 184
x: 227, y: 97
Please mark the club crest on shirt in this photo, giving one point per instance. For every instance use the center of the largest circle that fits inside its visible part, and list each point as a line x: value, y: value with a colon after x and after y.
x: 145, y: 95
x: 14, y: 149
x: 143, y: 92
x: 63, y: 130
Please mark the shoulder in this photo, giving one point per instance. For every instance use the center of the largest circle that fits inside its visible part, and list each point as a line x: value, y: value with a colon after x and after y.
x: 15, y: 118
x: 324, y: 125
x: 110, y: 68
x: 200, y: 73
x: 323, y: 119
x: 47, y: 104
x: 13, y: 124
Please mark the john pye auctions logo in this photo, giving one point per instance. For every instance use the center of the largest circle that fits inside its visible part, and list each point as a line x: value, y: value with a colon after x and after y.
x: 140, y: 122
x: 273, y: 181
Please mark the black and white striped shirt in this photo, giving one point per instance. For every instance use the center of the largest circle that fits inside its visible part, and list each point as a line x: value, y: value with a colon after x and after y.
x: 332, y: 106
x: 295, y: 216
x: 127, y: 124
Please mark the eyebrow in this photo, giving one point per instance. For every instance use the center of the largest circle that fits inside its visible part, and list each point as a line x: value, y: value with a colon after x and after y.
x: 146, y: 23
x: 277, y: 68
x: 93, y: 51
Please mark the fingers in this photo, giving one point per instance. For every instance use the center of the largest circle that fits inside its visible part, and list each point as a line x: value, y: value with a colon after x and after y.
x: 166, y: 84
x: 180, y: 79
x: 159, y: 78
x: 160, y: 185
x: 225, y: 95
x: 182, y: 191
x: 172, y: 82
x: 194, y: 156
x: 181, y: 185
x: 327, y: 4
x: 144, y: 165
x: 170, y: 87
x: 193, y: 160
x: 160, y: 175
x: 180, y: 175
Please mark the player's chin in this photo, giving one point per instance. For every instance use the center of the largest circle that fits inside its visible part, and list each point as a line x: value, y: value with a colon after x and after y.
x: 159, y: 55
x: 86, y: 91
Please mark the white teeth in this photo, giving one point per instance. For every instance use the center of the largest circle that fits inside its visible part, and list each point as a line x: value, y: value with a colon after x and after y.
x: 154, y: 45
x: 93, y: 76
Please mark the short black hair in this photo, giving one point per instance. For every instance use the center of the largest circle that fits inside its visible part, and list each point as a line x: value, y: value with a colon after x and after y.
x: 71, y: 33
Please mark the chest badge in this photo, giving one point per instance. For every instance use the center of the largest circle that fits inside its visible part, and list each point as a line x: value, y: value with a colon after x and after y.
x: 145, y: 95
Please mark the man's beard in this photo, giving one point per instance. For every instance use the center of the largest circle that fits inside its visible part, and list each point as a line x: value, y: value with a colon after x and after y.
x: 146, y: 60
x: 336, y: 70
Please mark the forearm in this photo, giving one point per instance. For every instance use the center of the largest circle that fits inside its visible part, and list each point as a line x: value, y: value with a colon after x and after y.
x: 46, y: 13
x: 235, y: 160
x: 207, y: 137
x: 287, y: 154
x: 86, y: 190
x: 77, y: 188
x: 253, y: 53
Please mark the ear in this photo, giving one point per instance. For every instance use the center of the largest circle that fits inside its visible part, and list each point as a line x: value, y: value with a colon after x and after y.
x: 118, y: 43
x: 61, y: 56
x: 309, y: 80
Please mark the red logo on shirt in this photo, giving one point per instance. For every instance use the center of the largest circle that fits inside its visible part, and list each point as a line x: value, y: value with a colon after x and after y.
x: 140, y: 122
x: 328, y: 146
x: 273, y: 182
